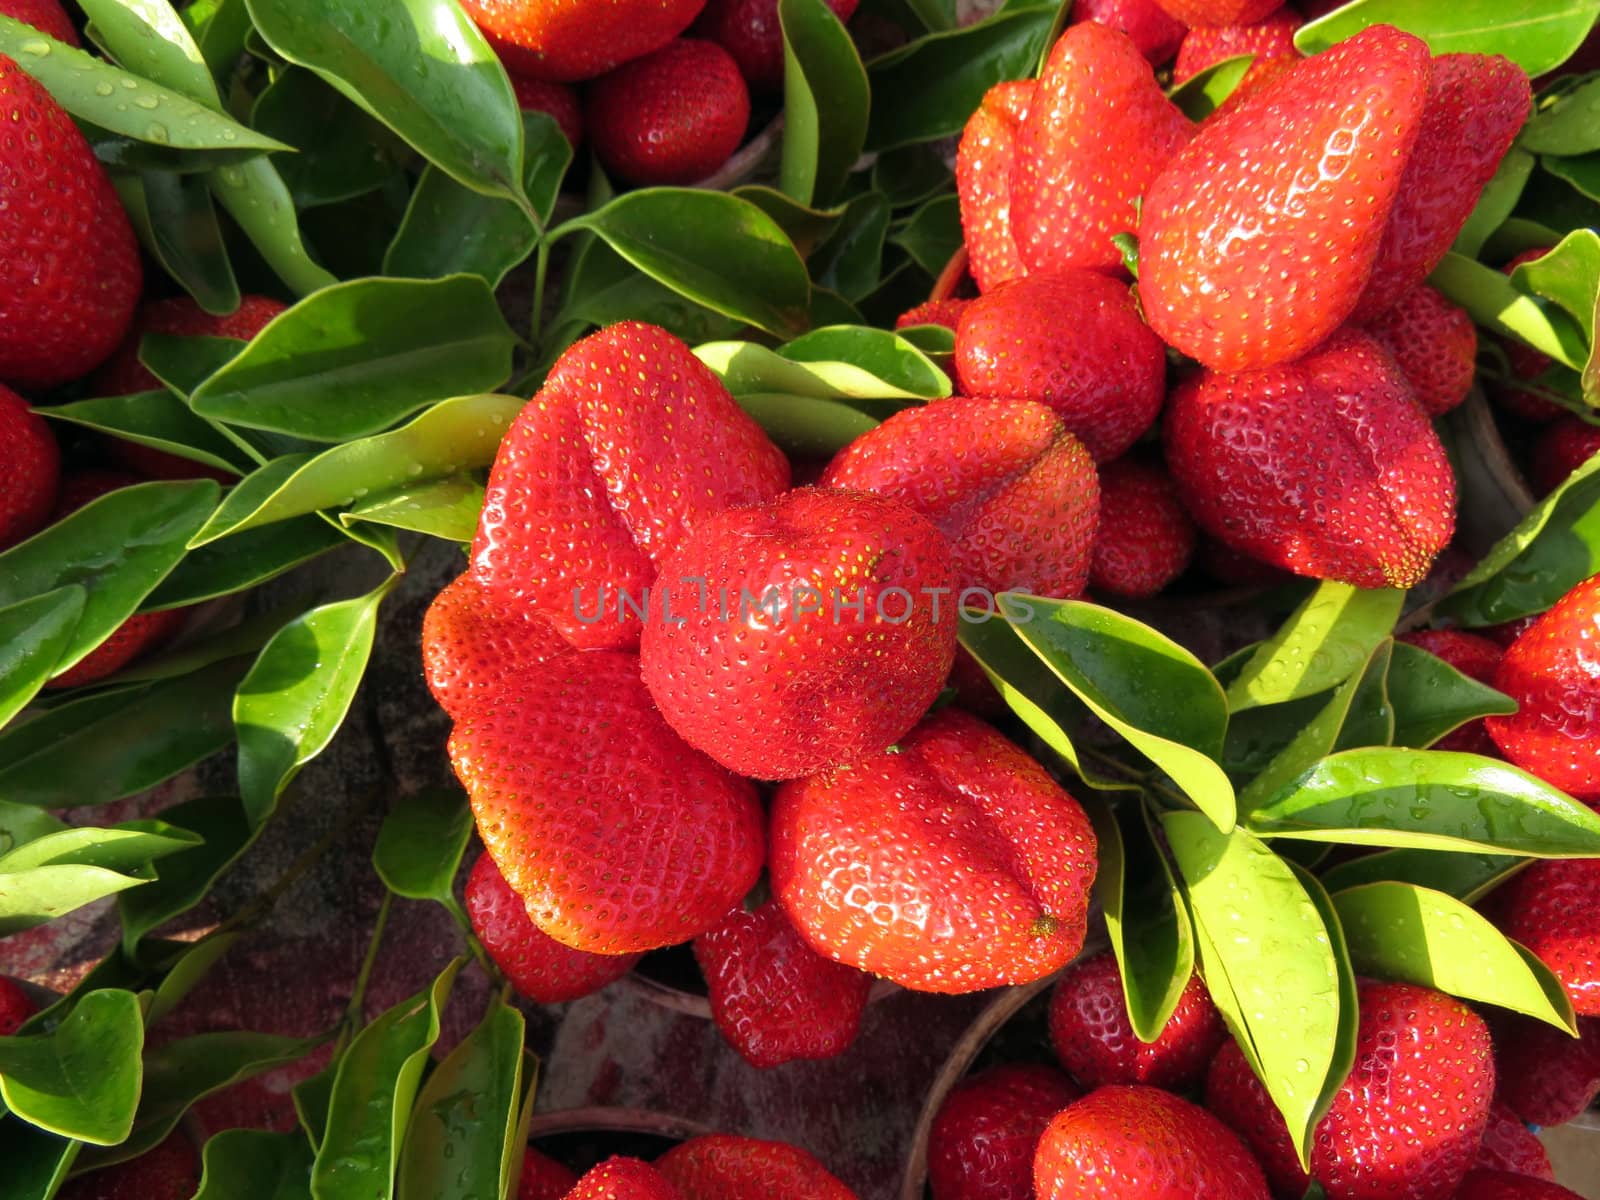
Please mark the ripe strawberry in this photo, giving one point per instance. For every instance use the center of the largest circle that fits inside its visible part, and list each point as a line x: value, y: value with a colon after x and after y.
x: 981, y: 1143
x: 476, y: 645
x: 622, y: 1178
x: 1098, y: 131
x: 1435, y: 345
x: 70, y: 276
x: 617, y: 836
x: 1205, y: 46
x: 169, y: 1172
x: 749, y: 30
x: 1219, y: 12
x: 631, y: 440
x: 1073, y: 341
x: 1156, y: 32
x: 1014, y: 492
x: 1236, y: 568
x: 1259, y: 236
x: 984, y: 164
x: 950, y: 863
x: 1505, y: 1185
x: 1141, y: 1141
x: 773, y: 997
x: 1095, y: 1042
x: 1476, y: 104
x: 1553, y: 673
x: 1406, y: 1123
x: 543, y: 1178
x: 721, y: 1166
x: 556, y: 99
x: 15, y: 1006
x: 671, y: 117
x: 1509, y: 1145
x: 566, y: 42
x: 1325, y: 466
x: 1547, y: 1077
x: 1507, y: 632
x: 1262, y: 72
x: 47, y: 16
x: 1553, y: 908
x: 1562, y: 448
x: 32, y: 475
x: 1146, y: 538
x: 1475, y: 657
x: 934, y: 312
x: 792, y: 636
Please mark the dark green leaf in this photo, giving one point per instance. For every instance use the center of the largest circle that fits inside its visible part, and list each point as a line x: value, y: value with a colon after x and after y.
x: 804, y: 226
x: 1327, y: 639
x: 603, y: 287
x: 809, y: 427
x: 826, y: 99
x: 220, y: 27
x: 342, y: 152
x: 1497, y: 202
x: 243, y: 561
x: 33, y: 635
x: 1496, y: 303
x: 36, y: 1162
x: 155, y: 419
x: 1431, y: 698
x: 1582, y: 173
x: 252, y: 1164
x: 1564, y: 123
x: 176, y: 222
x: 184, y: 363
x: 207, y: 642
x: 82, y: 1080
x: 446, y: 508
x: 1537, y: 35
x: 911, y: 175
x: 1465, y: 876
x: 187, y: 876
x: 420, y: 844
x: 850, y: 260
x: 1202, y: 94
x: 933, y: 235
x: 311, y: 1099
x: 257, y: 198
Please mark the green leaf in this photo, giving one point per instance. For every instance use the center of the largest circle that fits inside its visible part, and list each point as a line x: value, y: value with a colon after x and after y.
x: 826, y: 100
x: 850, y: 261
x: 911, y: 175
x: 420, y: 844
x: 148, y: 36
x: 603, y: 287
x: 1201, y: 95
x: 804, y: 226
x: 182, y: 364
x: 177, y: 224
x: 36, y: 1162
x: 808, y: 427
x: 252, y: 1164
x: 221, y: 27
x: 1563, y: 125
x: 1537, y: 35
x: 1327, y: 639
x: 354, y: 358
x: 933, y: 235
x: 1567, y: 276
x: 20, y: 823
x: 82, y: 1080
x: 244, y: 561
x: 33, y: 635
x: 841, y: 362
x: 1401, y: 931
x: 445, y: 508
x: 38, y: 895
x: 342, y: 152
x: 257, y: 198
x: 1431, y: 698
x: 1430, y: 799
x: 155, y: 419
x: 1496, y: 303
x: 419, y: 66
x: 119, y: 848
x: 1496, y: 204
x: 187, y: 876
x: 1466, y: 876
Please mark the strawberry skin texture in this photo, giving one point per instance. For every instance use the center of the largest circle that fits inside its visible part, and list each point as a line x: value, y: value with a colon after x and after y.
x: 934, y: 312
x: 1205, y: 46
x: 985, y: 161
x: 1553, y: 672
x: 32, y: 477
x: 1547, y: 1077
x: 169, y: 1172
x: 622, y: 1178
x: 47, y: 16
x: 1003, y: 480
x: 1146, y: 538
x: 70, y: 276
x: 802, y: 683
x: 1156, y: 32
x: 1219, y: 12
x: 671, y: 117
x: 1095, y: 1042
x: 629, y: 443
x: 1509, y: 1145
x: 981, y: 1143
x: 543, y: 1178
x: 476, y: 645
x: 1562, y: 448
x: 1435, y: 345
x: 1505, y: 1185
x: 1098, y: 131
x: 724, y: 1167
x: 1144, y: 1142
x: 1553, y: 908
x: 1253, y: 456
x: 569, y: 40
x: 15, y: 1006
x: 1258, y: 238
x: 1406, y: 1123
x: 556, y: 99
x: 1475, y: 657
x: 1072, y: 341
x: 750, y: 31
x: 952, y: 863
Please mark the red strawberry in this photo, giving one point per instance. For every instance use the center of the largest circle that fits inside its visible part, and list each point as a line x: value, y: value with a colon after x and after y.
x: 70, y: 276
x: 543, y: 1178
x: 1262, y: 72
x: 934, y: 312
x: 1553, y: 673
x: 1014, y: 492
x: 566, y: 42
x: 169, y: 1172
x: 32, y: 475
x: 749, y: 30
x: 984, y: 166
x: 1475, y: 657
x: 1205, y: 46
x: 981, y: 1143
x: 1509, y: 1145
x: 721, y: 1166
x: 1435, y: 345
x: 631, y: 440
x: 47, y: 16
x: 673, y: 116
x: 1095, y: 1042
x: 1325, y: 466
x: 1219, y: 12
x: 1504, y: 1185
x: 1547, y: 1077
x: 1097, y: 132
x: 1141, y: 1141
x: 1406, y: 1123
x: 797, y: 635
x: 617, y: 836
x: 1476, y: 104
x: 950, y: 863
x: 556, y: 99
x: 1562, y: 448
x: 478, y: 645
x: 1258, y: 238
x: 1507, y: 632
x: 15, y: 1006
x: 773, y: 997
x: 1553, y: 908
x: 1073, y: 341
x: 622, y: 1178
x: 1146, y: 538
x: 1156, y: 32
x: 1236, y: 568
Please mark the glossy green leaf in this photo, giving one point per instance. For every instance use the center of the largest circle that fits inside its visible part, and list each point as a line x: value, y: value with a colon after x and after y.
x: 182, y: 364
x: 183, y: 965
x: 1582, y: 173
x: 1568, y: 276
x: 809, y: 427
x: 1537, y: 35
x: 603, y: 287
x: 933, y: 235
x: 252, y: 1164
x: 118, y: 848
x: 20, y: 823
x: 34, y: 634
x: 805, y: 226
x: 1466, y: 876
x: 187, y: 876
x: 36, y: 1162
x: 81, y: 1080
x: 826, y: 100
x: 1202, y: 94
x: 177, y: 224
x: 1344, y: 1046
x: 148, y: 36
x: 1431, y: 698
x: 850, y: 260
x: 220, y: 28
x: 155, y: 419
x: 420, y: 844
x: 1327, y: 639
x: 1499, y: 306
x: 445, y: 508
x: 359, y: 356
x: 37, y: 895
x: 244, y: 561
x: 1496, y: 204
x: 257, y: 198
x: 1564, y: 124
x: 341, y: 153
x: 311, y: 1099
x: 837, y: 363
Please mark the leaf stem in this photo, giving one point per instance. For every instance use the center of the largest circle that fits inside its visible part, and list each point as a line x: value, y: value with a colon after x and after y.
x: 540, y: 270
x: 358, y: 996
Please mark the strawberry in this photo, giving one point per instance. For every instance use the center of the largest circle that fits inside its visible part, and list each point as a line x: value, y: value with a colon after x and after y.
x: 721, y: 1166
x: 749, y: 30
x: 1553, y: 673
x: 981, y: 1143
x: 15, y: 1006
x: 1475, y: 657
x: 984, y: 166
x: 1507, y: 632
x: 566, y: 42
x: 1553, y: 908
x: 792, y: 636
x: 1509, y: 1145
x: 1219, y: 12
x: 1262, y: 72
x: 32, y: 476
x: 1258, y: 237
x: 1236, y: 568
x: 556, y: 99
x: 1097, y: 132
x: 631, y: 440
x: 70, y: 276
x: 538, y: 966
x: 950, y: 863
x: 933, y: 312
x: 1546, y: 1076
x: 1003, y: 480
x: 1405, y: 1124
x: 1476, y: 104
x: 1257, y: 456
x: 1157, y: 33
x: 1095, y: 1042
x: 1505, y: 1185
x: 671, y: 117
x: 1562, y: 448
x: 1141, y: 1141
x: 1072, y: 341
x: 169, y: 1172
x: 622, y: 1178
x: 1435, y: 345
x: 477, y: 645
x: 1206, y: 45
x: 1146, y: 538
x: 774, y: 998
x: 543, y: 1178
x: 47, y: 16
x: 617, y: 836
